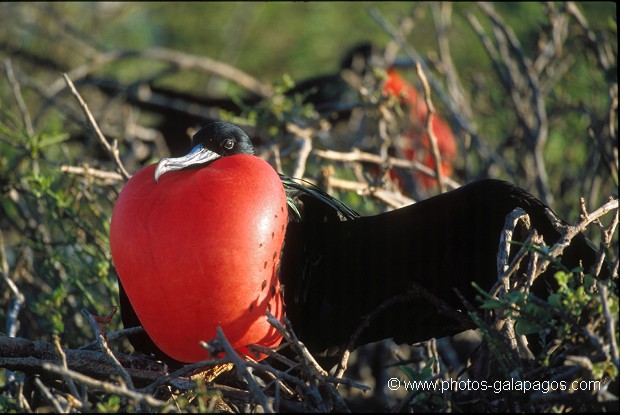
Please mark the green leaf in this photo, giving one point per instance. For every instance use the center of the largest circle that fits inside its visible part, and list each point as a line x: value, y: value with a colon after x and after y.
x: 493, y: 305
x: 524, y: 327
x: 53, y: 139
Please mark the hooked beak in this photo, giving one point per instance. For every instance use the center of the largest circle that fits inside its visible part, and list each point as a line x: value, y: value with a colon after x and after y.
x: 198, y: 155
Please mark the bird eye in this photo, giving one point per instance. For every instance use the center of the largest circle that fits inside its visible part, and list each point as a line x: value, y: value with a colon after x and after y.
x: 228, y: 144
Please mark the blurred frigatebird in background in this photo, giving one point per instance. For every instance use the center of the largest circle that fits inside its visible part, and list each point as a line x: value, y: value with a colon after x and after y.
x: 334, y: 96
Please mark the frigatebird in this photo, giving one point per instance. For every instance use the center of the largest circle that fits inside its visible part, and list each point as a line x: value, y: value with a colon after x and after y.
x: 336, y: 266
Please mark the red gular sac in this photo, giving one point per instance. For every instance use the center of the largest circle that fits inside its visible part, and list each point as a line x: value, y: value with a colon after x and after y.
x: 416, y: 144
x: 201, y: 249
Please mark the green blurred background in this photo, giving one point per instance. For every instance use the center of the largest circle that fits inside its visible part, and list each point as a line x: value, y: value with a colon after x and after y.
x: 266, y: 39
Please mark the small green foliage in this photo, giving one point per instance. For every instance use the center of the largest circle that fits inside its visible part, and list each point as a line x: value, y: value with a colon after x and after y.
x: 204, y: 399
x: 274, y: 113
x: 7, y: 404
x: 58, y: 225
x: 422, y: 374
x: 569, y: 323
x: 109, y: 404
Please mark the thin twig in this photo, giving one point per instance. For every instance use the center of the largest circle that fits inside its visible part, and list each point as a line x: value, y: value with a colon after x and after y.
x: 305, y: 134
x: 309, y: 364
x: 275, y: 380
x: 608, y: 234
x: 442, y: 18
x: 109, y: 387
x: 429, y: 127
x: 112, y: 149
x: 181, y: 60
x: 87, y: 171
x: 339, y: 403
x: 393, y: 199
x: 360, y: 156
x: 63, y: 360
x: 604, y: 59
x: 254, y: 388
x: 22, y: 402
x: 18, y: 300
x: 523, y: 83
x: 290, y: 336
x: 257, y: 348
x: 17, y: 93
x: 114, y: 336
x: 572, y: 231
x: 415, y: 57
x: 185, y: 370
x: 610, y: 323
x: 514, y: 265
x: 46, y: 392
x: 103, y: 344
x: 510, y: 224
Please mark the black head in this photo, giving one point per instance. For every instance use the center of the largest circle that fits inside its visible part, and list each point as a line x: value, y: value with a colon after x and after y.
x: 223, y: 138
x: 358, y: 57
x: 215, y: 140
x: 365, y: 55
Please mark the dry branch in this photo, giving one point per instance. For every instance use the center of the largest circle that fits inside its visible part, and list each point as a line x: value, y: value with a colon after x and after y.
x: 183, y: 61
x: 587, y: 218
x: 359, y: 156
x: 429, y: 127
x: 86, y: 171
x: 112, y: 149
x: 253, y: 387
x: 30, y: 356
x: 17, y: 93
x: 107, y: 386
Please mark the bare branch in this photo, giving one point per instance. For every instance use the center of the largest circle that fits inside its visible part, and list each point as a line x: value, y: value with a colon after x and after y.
x: 442, y: 17
x: 510, y: 224
x: 17, y: 93
x: 305, y: 135
x: 112, y: 149
x: 30, y: 356
x: 108, y: 387
x: 103, y: 344
x: 183, y: 61
x: 361, y: 156
x: 18, y: 298
x: 572, y: 231
x: 48, y: 395
x: 610, y: 323
x: 63, y: 359
x: 87, y: 171
x: 429, y: 127
x: 255, y: 390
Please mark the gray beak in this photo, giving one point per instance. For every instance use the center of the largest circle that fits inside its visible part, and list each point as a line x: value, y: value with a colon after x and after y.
x: 198, y: 155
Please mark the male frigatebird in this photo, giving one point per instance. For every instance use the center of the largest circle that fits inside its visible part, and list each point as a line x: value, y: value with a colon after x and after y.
x: 333, y: 96
x: 335, y: 266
